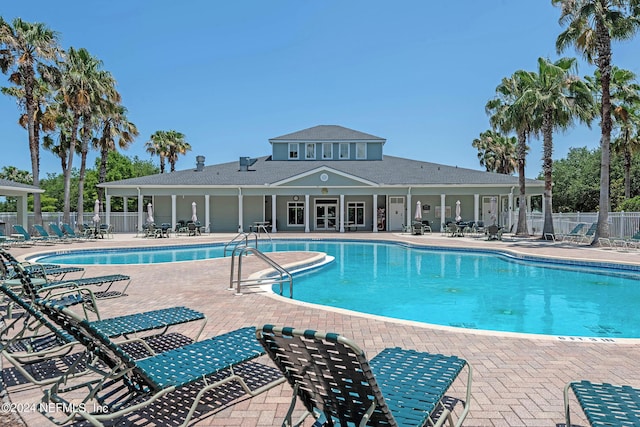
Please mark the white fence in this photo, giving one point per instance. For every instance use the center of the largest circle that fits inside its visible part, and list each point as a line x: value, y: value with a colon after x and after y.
x: 621, y: 224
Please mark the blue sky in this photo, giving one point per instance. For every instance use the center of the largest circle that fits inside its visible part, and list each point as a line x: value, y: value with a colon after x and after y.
x: 232, y: 74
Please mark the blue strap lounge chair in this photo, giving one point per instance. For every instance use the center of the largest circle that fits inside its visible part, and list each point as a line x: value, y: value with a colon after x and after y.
x: 334, y: 380
x: 30, y: 338
x: 605, y: 404
x: 31, y: 240
x: 44, y: 235
x: 72, y: 234
x: 57, y: 231
x: 121, y: 385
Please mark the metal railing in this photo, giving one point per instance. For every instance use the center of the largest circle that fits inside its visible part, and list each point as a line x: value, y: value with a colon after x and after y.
x: 281, y: 275
x: 240, y: 239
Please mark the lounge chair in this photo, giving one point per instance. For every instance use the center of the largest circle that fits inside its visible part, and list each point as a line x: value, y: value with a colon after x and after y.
x: 334, y: 380
x: 43, y: 234
x: 586, y: 237
x: 122, y: 385
x: 29, y: 239
x: 575, y: 233
x: 35, y: 338
x: 605, y: 404
x: 494, y: 232
x: 631, y: 242
x: 72, y: 234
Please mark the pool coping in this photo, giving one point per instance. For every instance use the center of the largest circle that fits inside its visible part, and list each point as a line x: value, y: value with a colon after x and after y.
x: 314, y: 262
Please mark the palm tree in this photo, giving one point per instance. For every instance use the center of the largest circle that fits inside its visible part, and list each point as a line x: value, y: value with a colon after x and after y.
x: 158, y: 146
x: 79, y: 88
x: 24, y: 46
x: 117, y: 131
x: 625, y: 105
x: 557, y: 97
x: 103, y: 94
x: 591, y: 26
x: 177, y: 146
x: 510, y: 113
x: 496, y: 152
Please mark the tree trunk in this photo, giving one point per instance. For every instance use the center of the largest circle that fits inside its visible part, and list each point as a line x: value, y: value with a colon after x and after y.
x: 66, y: 214
x: 522, y: 230
x: 34, y: 143
x: 547, y: 167
x: 603, y: 49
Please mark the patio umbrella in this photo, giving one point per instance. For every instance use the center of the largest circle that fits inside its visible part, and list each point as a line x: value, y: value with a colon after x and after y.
x: 418, y: 216
x: 194, y: 216
x: 458, y: 217
x: 150, y: 213
x: 493, y: 207
x: 96, y: 210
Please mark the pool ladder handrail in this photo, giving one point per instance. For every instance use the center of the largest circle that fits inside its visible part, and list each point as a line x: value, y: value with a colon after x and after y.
x: 282, y: 274
x: 239, y: 239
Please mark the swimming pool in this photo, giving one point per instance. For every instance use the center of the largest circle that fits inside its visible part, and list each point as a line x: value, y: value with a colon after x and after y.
x: 462, y: 288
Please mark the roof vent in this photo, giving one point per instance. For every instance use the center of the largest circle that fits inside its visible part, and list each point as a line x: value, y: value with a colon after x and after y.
x: 245, y: 162
x: 199, y: 163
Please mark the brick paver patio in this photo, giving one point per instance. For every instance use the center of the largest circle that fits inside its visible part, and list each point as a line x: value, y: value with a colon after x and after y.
x: 518, y: 380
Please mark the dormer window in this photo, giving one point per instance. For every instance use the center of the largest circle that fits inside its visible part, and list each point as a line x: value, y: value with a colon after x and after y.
x: 293, y: 151
x: 344, y: 151
x: 361, y: 150
x: 327, y: 151
x: 310, y: 151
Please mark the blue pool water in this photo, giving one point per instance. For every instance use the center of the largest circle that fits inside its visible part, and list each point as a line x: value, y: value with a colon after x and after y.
x: 461, y: 288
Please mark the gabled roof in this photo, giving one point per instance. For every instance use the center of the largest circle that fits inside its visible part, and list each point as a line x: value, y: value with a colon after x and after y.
x: 327, y: 133
x: 390, y: 171
x: 12, y: 188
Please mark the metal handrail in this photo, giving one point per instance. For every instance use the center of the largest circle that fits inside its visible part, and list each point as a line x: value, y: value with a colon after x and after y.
x: 284, y: 275
x: 239, y: 239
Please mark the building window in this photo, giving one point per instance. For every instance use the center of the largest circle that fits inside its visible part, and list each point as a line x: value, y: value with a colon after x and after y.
x: 344, y: 151
x: 355, y: 213
x: 293, y: 151
x: 327, y: 151
x: 295, y: 213
x: 311, y: 151
x: 361, y: 150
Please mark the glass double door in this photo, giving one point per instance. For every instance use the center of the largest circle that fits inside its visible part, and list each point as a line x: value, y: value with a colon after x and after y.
x: 326, y: 215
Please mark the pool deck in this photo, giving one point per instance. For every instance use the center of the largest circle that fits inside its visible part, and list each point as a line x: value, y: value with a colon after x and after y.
x: 518, y: 380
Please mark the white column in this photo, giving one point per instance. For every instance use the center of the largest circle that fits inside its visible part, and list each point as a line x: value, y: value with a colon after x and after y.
x: 375, y: 213
x: 125, y: 206
x: 443, y: 211
x: 107, y: 210
x: 207, y: 212
x: 240, y: 206
x: 342, y: 213
x: 173, y: 212
x: 476, y: 207
x: 409, y: 207
x: 306, y: 214
x: 273, y: 214
x: 511, y: 209
x: 140, y: 210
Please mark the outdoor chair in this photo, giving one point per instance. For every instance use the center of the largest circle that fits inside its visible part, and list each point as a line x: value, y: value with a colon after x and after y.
x: 34, y: 339
x: 43, y: 234
x: 335, y: 382
x: 416, y: 228
x: 121, y: 384
x: 105, y: 231
x: 575, y: 233
x: 28, y: 239
x: 631, y: 242
x: 69, y: 232
x: 588, y: 236
x: 193, y: 228
x: 605, y: 404
x: 57, y: 231
x: 494, y: 232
